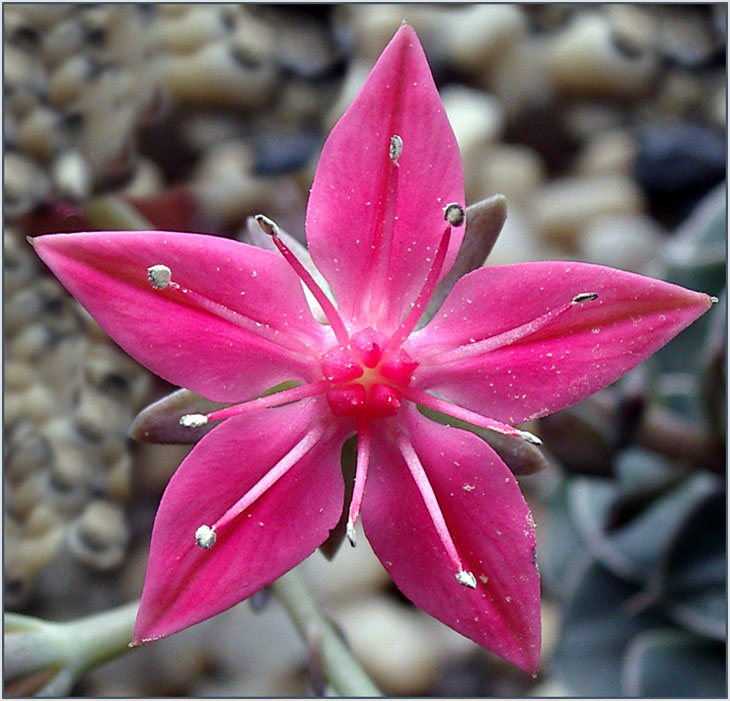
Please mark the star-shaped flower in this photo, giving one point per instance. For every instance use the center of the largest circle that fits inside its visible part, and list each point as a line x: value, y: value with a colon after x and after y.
x: 511, y: 343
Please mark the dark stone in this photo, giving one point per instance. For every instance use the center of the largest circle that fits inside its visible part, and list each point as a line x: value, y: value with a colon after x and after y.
x: 677, y: 164
x: 278, y: 153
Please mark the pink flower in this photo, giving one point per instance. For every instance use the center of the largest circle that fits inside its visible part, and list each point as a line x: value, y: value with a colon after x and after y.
x: 263, y: 489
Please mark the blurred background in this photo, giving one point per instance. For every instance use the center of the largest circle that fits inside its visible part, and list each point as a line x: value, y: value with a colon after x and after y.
x: 604, y: 126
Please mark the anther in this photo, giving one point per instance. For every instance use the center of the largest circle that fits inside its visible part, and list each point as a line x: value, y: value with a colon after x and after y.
x: 529, y: 437
x: 396, y: 148
x: 467, y: 579
x: 205, y: 537
x: 193, y: 420
x: 159, y: 276
x: 268, y: 226
x: 585, y: 297
x: 350, y: 532
x: 454, y: 214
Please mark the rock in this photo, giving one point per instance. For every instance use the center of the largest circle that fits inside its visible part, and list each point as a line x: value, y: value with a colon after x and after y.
x: 353, y: 573
x: 518, y: 242
x: 99, y: 537
x: 628, y: 242
x: 583, y: 59
x: 230, y: 75
x: 511, y: 170
x: 687, y: 36
x: 677, y: 163
x: 566, y: 206
x: 192, y: 29
x: 24, y: 187
x: 475, y: 116
x: 633, y: 29
x: 519, y: 77
x: 611, y: 151
x: 474, y: 36
x: 397, y: 645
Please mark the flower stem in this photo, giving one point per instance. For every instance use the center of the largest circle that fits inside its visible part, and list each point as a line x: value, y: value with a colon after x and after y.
x: 339, y: 665
x: 100, y: 638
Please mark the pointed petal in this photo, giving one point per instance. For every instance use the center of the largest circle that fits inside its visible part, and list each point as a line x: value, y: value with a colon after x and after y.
x: 186, y: 584
x: 160, y: 421
x: 256, y: 332
x: 374, y: 226
x: 491, y: 527
x: 578, y: 352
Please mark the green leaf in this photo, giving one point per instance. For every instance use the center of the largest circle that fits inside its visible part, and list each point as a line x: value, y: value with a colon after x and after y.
x: 597, y: 627
x: 692, y: 579
x: 635, y: 548
x: 668, y: 662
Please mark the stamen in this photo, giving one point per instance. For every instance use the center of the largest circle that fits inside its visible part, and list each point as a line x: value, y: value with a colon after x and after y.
x: 288, y: 395
x: 205, y: 537
x: 159, y: 276
x: 361, y: 473
x: 432, y: 505
x: 409, y: 323
x: 193, y: 420
x: 454, y: 214
x: 372, y: 295
x: 270, y: 228
x: 467, y: 579
x: 271, y: 477
x: 486, y: 345
x: 396, y: 148
x: 432, y: 402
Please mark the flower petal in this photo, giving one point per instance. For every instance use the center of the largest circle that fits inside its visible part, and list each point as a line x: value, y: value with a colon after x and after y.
x: 254, y: 332
x: 489, y: 522
x: 186, y: 584
x: 580, y: 350
x: 373, y: 226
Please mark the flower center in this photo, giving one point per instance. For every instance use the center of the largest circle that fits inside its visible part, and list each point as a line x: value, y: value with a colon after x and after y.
x: 366, y: 377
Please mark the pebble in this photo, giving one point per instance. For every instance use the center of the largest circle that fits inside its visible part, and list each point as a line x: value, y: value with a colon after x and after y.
x: 627, y: 242
x: 566, y: 206
x: 99, y: 537
x: 678, y: 162
x: 633, y: 29
x: 23, y: 563
x: 219, y: 74
x: 519, y: 77
x: 71, y: 176
x: 583, y: 59
x: 39, y: 134
x: 24, y: 187
x: 511, y: 170
x: 474, y: 36
x: 686, y: 36
x: 398, y: 645
x: 610, y: 151
x: 353, y: 573
x: 189, y: 31
x: 64, y: 39
x: 27, y: 450
x: 518, y: 241
x: 476, y: 118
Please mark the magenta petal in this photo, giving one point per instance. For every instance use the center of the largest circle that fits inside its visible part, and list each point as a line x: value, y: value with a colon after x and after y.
x: 577, y: 353
x: 373, y: 227
x: 186, y: 584
x: 491, y: 526
x: 256, y: 332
